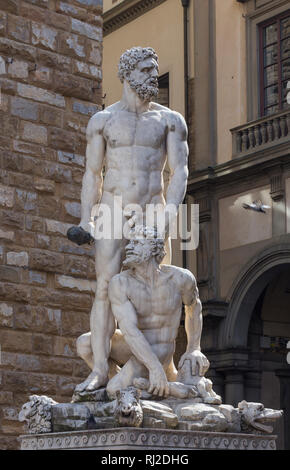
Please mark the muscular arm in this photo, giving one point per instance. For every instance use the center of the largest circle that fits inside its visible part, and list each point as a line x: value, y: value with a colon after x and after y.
x: 193, y: 325
x: 126, y: 316
x: 92, y: 180
x: 177, y: 155
x: 193, y: 315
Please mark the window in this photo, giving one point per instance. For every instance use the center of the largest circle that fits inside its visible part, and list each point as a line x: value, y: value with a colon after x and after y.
x: 163, y: 95
x: 274, y: 63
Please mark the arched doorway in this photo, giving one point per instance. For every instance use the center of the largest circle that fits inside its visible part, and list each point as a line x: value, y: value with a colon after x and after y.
x: 259, y: 322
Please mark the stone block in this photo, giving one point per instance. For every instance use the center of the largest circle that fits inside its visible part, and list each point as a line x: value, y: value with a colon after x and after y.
x: 56, y: 365
x: 33, y: 133
x: 34, y: 277
x: 75, y: 325
x: 6, y: 398
x: 71, y: 158
x: 95, y: 52
x: 87, y: 70
x: 18, y: 28
x: 24, y: 239
x: 42, y: 241
x: 42, y: 344
x: 3, y: 20
x: 21, y: 362
x: 12, y: 161
x: 18, y: 69
x: 62, y: 140
x: 44, y: 185
x: 39, y: 94
x: 25, y: 200
x: 46, y: 261
x: 64, y: 346
x: 6, y: 318
x: 2, y: 66
x: 76, y: 266
x: 41, y: 75
x: 41, y: 3
x: 54, y: 226
x: 73, y: 209
x: 15, y: 292
x: 94, y: 5
x: 12, y: 219
x: 33, y: 223
x: 8, y: 87
x: 59, y: 173
x: 9, y: 5
x: 42, y: 384
x: 71, y: 10
x: 4, y: 106
x: 17, y: 49
x: 66, y: 385
x: 48, y: 206
x: 86, y: 29
x: 97, y: 20
x: 7, y: 235
x: 53, y: 60
x: 17, y: 341
x: 39, y: 318
x: 6, y: 196
x: 68, y: 417
x: 51, y: 116
x: 9, y: 274
x: 71, y: 191
x: 24, y: 109
x: 67, y: 282
x: 32, y: 12
x: 72, y: 45
x: 70, y: 85
x: 58, y: 21
x: 17, y: 258
x: 85, y: 108
x: 43, y: 36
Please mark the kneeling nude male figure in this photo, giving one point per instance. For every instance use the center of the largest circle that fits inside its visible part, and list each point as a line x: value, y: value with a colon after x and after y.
x: 132, y: 139
x: 146, y: 300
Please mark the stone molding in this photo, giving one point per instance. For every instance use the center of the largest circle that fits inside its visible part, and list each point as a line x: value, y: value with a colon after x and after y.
x: 126, y: 12
x: 133, y: 438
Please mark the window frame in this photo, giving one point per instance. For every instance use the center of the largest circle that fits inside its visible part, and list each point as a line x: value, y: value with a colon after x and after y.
x: 270, y: 21
x: 165, y: 78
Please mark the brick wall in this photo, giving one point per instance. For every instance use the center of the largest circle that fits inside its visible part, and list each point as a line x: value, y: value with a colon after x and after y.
x: 50, y: 79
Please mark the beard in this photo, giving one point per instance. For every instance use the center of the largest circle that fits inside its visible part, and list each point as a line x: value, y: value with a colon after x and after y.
x: 133, y: 259
x: 145, y: 91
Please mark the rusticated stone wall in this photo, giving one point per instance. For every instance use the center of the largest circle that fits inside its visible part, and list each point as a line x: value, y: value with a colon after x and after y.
x: 50, y: 79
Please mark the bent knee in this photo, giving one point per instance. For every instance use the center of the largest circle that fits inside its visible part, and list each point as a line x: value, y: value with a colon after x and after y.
x: 102, y: 289
x: 83, y: 344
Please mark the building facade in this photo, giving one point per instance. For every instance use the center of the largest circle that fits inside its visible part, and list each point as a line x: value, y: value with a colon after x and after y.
x: 227, y: 64
x: 50, y: 79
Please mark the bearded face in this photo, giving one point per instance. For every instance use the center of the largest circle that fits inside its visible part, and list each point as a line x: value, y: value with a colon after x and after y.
x: 144, y: 79
x: 138, y: 252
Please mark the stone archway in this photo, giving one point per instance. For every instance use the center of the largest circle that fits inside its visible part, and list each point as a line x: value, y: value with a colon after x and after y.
x: 247, y: 289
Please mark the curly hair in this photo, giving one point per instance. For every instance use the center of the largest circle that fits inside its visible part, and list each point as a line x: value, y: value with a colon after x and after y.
x: 131, y: 57
x: 151, y: 236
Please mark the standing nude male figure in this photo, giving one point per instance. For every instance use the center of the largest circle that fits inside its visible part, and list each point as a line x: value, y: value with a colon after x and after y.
x: 132, y: 139
x: 146, y: 300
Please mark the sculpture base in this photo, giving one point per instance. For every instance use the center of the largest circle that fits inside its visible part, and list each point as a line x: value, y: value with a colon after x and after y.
x: 146, y: 439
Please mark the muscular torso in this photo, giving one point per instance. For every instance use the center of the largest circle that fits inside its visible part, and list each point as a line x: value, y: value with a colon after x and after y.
x: 158, y: 309
x: 135, y: 155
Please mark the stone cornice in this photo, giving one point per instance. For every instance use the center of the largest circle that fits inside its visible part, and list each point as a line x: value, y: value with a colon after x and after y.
x: 149, y: 439
x: 249, y: 164
x: 126, y: 12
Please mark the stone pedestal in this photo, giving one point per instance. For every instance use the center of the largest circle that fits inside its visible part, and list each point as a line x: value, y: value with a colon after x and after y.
x: 146, y: 439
